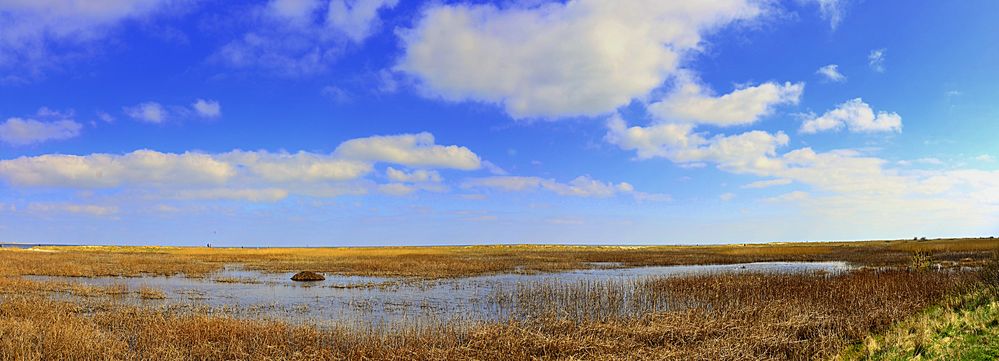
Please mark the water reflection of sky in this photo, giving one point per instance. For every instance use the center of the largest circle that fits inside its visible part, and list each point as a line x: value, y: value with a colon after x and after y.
x: 378, y: 300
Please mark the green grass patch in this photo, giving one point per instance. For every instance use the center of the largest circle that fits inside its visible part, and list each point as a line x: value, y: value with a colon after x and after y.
x: 961, y: 328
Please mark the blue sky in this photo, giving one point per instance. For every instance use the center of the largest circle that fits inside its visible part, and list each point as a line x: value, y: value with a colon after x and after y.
x: 382, y: 122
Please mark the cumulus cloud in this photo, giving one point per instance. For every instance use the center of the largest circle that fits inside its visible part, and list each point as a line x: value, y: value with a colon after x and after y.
x: 847, y: 185
x: 139, y: 168
x: 856, y: 116
x: 581, y: 57
x: 691, y: 102
x: 678, y: 143
x: 755, y: 152
x: 149, y: 112
x: 414, y: 150
x: 296, y: 38
x: 246, y: 175
x: 582, y: 186
x: 876, y: 60
x: 207, y: 108
x: 32, y: 28
x: 831, y: 73
x: 20, y: 131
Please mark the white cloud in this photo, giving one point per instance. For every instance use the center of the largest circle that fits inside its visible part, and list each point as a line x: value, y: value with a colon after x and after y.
x: 678, y: 143
x: 725, y: 197
x: 207, y: 108
x: 294, y: 38
x: 149, y: 112
x: 841, y: 171
x: 985, y: 158
x: 690, y: 102
x: 581, y: 57
x: 142, y: 168
x: 414, y: 150
x: 846, y: 186
x: 493, y: 168
x: 831, y: 10
x: 259, y: 176
x: 767, y: 183
x: 416, y: 176
x: 755, y: 152
x: 156, y: 113
x: 296, y: 167
x: 582, y: 186
x: 356, y: 18
x: 247, y: 194
x: 831, y: 73
x: 32, y: 28
x: 876, y: 60
x: 856, y: 116
x: 19, y: 131
x: 105, y: 117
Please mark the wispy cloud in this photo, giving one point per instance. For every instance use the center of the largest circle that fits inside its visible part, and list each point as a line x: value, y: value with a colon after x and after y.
x: 149, y: 112
x: 876, y: 60
x: 831, y: 73
x: 582, y: 186
x: 48, y: 126
x: 298, y: 38
x: 32, y: 30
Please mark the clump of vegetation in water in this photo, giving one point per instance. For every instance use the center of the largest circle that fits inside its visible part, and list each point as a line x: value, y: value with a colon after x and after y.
x: 921, y: 261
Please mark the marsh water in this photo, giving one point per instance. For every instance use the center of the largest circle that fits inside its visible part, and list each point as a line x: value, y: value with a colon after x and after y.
x: 367, y: 301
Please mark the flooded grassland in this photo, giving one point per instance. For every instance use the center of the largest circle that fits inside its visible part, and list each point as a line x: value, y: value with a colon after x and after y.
x: 779, y: 301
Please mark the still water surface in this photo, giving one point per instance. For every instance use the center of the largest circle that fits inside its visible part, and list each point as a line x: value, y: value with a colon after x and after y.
x: 367, y: 301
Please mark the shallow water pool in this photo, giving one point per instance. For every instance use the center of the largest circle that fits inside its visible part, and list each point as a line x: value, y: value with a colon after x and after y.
x: 366, y: 301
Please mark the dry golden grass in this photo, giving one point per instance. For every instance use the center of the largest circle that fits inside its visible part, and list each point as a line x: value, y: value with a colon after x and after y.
x: 437, y: 262
x: 149, y: 293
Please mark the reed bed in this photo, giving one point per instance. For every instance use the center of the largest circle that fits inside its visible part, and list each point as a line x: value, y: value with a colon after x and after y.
x: 721, y: 316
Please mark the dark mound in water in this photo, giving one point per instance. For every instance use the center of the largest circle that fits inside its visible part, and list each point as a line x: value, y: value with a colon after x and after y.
x: 306, y: 276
